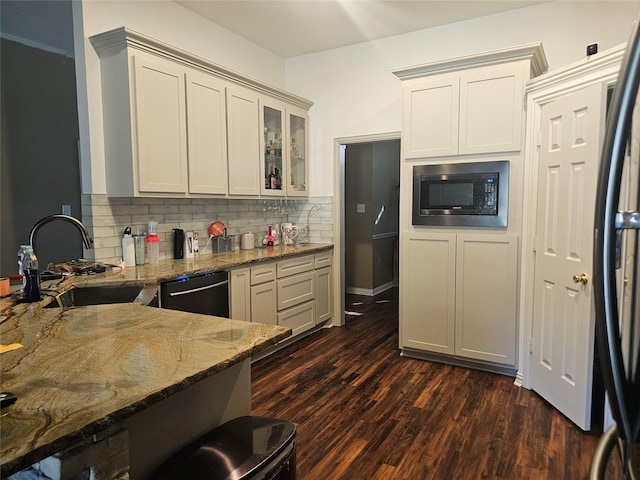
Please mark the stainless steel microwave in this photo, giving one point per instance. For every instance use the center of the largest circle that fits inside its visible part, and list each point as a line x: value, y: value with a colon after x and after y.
x: 461, y: 194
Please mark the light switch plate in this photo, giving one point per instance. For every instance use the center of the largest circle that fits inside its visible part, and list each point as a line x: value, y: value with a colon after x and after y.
x: 66, y: 209
x: 360, y: 208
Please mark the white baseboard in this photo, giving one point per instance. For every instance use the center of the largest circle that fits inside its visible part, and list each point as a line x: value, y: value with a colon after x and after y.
x: 370, y: 292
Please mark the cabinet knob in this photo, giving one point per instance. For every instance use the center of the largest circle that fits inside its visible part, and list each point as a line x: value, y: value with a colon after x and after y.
x: 582, y: 278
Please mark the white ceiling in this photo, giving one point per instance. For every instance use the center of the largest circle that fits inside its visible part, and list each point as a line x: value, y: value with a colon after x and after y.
x: 297, y: 27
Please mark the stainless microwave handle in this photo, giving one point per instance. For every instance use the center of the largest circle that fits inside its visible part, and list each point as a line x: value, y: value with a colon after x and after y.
x: 199, y: 289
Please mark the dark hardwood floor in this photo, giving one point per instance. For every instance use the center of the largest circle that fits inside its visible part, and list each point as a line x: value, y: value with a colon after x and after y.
x: 364, y: 412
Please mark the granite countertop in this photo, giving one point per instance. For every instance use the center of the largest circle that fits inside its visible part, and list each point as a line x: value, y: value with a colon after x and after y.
x: 169, y: 269
x: 81, y: 370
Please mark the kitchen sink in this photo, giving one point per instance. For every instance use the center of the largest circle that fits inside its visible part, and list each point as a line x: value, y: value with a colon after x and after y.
x: 82, y: 296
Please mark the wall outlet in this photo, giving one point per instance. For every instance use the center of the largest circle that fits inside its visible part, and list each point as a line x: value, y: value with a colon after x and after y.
x: 592, y: 49
x: 360, y: 208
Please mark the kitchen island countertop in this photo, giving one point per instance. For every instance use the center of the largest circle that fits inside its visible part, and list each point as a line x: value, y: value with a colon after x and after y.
x: 82, y: 370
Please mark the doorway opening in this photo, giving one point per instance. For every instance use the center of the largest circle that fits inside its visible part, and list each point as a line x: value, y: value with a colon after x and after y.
x: 367, y: 203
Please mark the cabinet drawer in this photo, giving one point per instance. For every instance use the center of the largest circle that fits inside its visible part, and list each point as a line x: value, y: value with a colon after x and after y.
x: 323, y: 259
x: 263, y: 273
x: 299, y: 319
x: 291, y: 266
x: 295, y: 290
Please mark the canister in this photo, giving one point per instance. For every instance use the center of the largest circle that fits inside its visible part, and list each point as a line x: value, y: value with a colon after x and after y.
x: 247, y: 241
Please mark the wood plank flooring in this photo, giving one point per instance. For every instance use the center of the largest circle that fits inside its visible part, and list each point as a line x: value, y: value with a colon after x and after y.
x: 364, y: 412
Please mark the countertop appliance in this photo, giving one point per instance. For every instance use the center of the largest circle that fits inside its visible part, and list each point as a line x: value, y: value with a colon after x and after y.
x: 461, y: 194
x: 617, y: 292
x: 205, y: 293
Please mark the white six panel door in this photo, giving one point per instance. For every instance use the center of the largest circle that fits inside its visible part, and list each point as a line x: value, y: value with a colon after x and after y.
x: 563, y: 318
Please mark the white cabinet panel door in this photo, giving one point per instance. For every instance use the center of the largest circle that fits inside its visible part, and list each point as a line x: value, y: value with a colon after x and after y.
x: 563, y: 317
x: 486, y: 297
x: 427, y: 305
x: 207, y: 129
x: 243, y: 126
x: 263, y: 303
x: 430, y: 123
x: 161, y: 126
x: 491, y: 110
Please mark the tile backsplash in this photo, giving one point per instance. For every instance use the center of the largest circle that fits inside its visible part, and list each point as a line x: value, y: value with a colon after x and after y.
x: 107, y: 217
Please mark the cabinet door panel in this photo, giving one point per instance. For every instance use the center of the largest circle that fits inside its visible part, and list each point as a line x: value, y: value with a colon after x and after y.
x: 240, y: 295
x: 486, y: 297
x: 263, y: 303
x: 243, y: 141
x: 324, y: 305
x: 427, y: 306
x: 491, y: 106
x: 430, y: 123
x: 207, y: 130
x: 160, y: 124
x: 296, y: 152
x: 272, y: 147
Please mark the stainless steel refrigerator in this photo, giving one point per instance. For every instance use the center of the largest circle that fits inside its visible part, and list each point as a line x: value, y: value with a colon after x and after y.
x: 617, y: 269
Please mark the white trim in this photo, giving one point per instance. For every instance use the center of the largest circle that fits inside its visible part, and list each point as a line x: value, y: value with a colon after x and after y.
x: 38, y: 45
x: 602, y: 68
x: 113, y: 41
x: 530, y: 51
x: 338, y: 209
x: 370, y: 292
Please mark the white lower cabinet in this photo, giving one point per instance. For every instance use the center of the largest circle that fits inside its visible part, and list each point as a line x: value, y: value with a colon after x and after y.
x: 300, y: 318
x: 263, y: 303
x: 293, y: 292
x: 460, y: 296
x: 324, y: 306
x: 240, y: 294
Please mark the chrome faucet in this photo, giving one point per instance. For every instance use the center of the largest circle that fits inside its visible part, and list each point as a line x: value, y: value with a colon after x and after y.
x: 86, y: 239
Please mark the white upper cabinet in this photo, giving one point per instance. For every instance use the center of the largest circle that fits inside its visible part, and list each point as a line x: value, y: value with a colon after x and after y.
x: 469, y: 105
x: 297, y: 152
x: 431, y: 109
x: 207, y: 134
x: 160, y: 132
x: 176, y: 125
x: 244, y: 141
x: 272, y: 147
x: 491, y: 110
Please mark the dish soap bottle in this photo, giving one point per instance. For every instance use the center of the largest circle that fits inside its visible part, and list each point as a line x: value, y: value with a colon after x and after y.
x: 128, y: 249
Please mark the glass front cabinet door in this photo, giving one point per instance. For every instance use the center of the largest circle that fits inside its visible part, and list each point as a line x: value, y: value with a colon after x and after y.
x: 273, y: 166
x: 298, y: 152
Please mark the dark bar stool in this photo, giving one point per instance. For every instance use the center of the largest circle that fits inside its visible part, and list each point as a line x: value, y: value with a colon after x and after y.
x: 246, y: 448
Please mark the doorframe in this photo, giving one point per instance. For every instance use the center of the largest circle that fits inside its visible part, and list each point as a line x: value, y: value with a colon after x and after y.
x: 602, y: 68
x: 339, y: 147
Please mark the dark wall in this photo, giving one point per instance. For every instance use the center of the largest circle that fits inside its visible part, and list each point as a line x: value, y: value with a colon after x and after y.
x: 39, y: 168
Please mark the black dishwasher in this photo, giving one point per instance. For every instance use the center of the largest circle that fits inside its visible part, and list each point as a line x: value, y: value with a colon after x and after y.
x: 206, y: 293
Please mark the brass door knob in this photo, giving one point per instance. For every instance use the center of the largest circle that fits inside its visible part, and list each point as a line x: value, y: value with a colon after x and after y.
x: 582, y: 278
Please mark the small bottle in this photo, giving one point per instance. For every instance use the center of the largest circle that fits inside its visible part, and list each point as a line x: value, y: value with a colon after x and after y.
x: 31, y: 292
x: 278, y: 180
x: 295, y: 151
x: 139, y: 242
x: 153, y: 248
x: 128, y: 249
x: 272, y: 178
